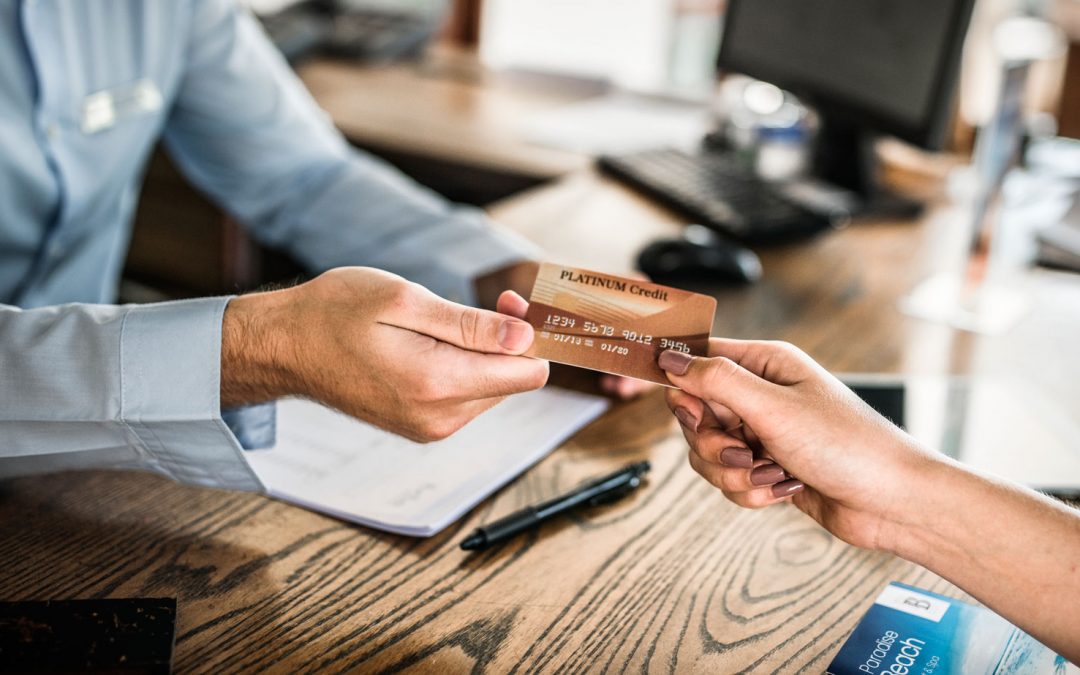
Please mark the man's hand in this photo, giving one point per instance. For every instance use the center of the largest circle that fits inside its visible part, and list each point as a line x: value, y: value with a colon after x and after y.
x: 518, y: 279
x: 376, y: 347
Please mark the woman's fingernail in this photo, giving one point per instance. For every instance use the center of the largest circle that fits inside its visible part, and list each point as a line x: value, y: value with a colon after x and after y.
x: 514, y: 335
x: 767, y: 474
x: 787, y: 488
x: 676, y: 363
x: 686, y: 418
x: 740, y: 458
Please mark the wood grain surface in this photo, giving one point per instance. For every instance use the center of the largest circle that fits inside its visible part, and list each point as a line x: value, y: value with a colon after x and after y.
x: 447, y: 107
x: 673, y: 579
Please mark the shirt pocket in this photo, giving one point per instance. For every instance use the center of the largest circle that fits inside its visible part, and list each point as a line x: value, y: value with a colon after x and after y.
x: 127, y: 103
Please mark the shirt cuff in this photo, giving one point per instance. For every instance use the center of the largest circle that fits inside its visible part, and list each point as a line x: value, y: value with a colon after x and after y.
x: 170, y: 383
x: 255, y: 426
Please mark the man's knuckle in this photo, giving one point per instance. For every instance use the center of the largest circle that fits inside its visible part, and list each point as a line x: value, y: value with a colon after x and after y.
x: 429, y: 390
x: 418, y: 429
x: 469, y: 324
x: 788, y: 350
x: 538, y: 376
x: 401, y: 297
x: 440, y: 428
x: 427, y: 433
x: 792, y: 351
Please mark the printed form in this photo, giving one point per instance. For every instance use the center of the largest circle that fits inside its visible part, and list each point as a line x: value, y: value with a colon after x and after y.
x: 329, y: 462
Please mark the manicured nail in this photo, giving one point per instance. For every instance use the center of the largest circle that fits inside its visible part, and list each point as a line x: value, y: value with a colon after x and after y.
x: 514, y: 335
x: 740, y: 458
x: 788, y: 487
x: 686, y: 418
x: 676, y: 363
x: 767, y: 474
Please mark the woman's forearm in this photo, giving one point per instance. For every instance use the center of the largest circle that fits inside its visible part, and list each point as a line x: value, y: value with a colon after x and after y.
x: 1016, y: 551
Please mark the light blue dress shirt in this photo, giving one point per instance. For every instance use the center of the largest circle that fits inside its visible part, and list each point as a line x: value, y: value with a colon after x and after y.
x: 86, y: 89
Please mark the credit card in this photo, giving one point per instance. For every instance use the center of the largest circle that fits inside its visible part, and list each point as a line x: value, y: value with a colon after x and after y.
x: 615, y: 324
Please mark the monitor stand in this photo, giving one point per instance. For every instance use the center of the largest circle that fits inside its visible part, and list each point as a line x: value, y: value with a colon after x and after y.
x: 844, y: 156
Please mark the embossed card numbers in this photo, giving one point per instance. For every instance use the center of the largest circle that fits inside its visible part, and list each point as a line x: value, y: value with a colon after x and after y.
x: 614, y: 324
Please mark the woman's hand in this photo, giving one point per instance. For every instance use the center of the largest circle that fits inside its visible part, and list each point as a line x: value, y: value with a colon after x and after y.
x: 766, y: 424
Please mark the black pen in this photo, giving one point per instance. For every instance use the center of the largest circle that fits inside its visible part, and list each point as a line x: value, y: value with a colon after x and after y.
x: 599, y: 491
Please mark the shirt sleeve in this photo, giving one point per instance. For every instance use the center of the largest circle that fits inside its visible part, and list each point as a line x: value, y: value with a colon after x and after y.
x: 245, y: 131
x: 130, y: 387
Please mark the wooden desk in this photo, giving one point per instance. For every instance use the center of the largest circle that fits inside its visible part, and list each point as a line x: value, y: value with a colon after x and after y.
x: 673, y: 579
x: 447, y: 108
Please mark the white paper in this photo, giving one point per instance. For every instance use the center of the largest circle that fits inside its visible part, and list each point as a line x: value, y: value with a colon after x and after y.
x: 619, y: 123
x: 625, y: 41
x: 329, y: 462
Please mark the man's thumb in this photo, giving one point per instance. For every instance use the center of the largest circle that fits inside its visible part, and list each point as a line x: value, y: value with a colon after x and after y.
x: 483, y: 331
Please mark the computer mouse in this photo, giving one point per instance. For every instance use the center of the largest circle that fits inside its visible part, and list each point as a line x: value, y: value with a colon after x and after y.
x: 699, y: 255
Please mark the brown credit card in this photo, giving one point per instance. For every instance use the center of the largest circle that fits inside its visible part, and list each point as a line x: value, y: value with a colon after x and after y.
x: 614, y: 324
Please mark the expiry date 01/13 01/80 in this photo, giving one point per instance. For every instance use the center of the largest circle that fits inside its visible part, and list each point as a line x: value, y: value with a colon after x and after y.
x: 614, y: 324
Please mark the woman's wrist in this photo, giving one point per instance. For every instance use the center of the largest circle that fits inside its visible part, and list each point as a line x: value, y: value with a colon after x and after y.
x: 914, y: 528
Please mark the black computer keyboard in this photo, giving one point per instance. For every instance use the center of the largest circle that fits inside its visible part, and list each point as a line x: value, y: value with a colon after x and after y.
x: 714, y: 190
x: 313, y: 27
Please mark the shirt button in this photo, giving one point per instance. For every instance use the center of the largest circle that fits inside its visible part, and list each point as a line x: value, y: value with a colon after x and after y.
x: 52, y: 131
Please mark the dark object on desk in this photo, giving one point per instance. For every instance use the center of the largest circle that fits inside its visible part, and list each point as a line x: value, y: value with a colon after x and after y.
x: 354, y: 29
x: 1059, y: 245
x: 867, y: 68
x: 298, y: 31
x: 712, y: 188
x: 88, y: 636
x: 699, y: 255
x: 600, y: 491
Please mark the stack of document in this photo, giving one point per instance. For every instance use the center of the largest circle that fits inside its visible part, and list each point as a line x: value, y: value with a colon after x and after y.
x: 1053, y: 182
x: 329, y: 462
x: 619, y: 124
x: 1059, y: 244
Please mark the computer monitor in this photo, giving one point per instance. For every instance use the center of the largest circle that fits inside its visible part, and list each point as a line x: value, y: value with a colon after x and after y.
x: 867, y: 67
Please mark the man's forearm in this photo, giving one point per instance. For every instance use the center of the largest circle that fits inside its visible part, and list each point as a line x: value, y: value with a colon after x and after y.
x: 255, y: 350
x: 136, y: 391
x: 1014, y: 550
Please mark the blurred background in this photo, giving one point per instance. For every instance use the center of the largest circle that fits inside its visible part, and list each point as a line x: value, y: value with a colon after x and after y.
x: 889, y: 184
x: 482, y: 99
